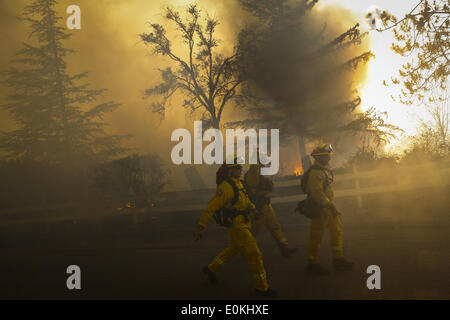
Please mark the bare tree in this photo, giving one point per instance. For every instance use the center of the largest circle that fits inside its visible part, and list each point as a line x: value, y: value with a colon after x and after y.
x: 208, y: 79
x: 433, y: 134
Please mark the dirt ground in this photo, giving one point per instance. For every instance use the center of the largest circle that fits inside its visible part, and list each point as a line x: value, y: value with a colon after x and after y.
x: 406, y: 234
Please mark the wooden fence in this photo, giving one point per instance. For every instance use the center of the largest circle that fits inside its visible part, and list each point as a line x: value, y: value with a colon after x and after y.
x: 355, y: 184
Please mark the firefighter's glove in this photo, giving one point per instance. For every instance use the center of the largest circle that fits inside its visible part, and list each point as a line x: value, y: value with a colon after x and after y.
x: 333, y: 209
x: 198, y: 232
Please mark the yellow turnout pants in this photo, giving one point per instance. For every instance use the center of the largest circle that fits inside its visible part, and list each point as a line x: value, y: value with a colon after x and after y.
x: 242, y: 241
x: 317, y: 229
x: 269, y: 219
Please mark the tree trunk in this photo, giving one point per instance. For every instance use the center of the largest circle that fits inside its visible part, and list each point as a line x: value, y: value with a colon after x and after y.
x: 306, y: 161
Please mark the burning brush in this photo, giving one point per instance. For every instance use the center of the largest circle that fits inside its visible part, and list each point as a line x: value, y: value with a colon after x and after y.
x: 298, y: 171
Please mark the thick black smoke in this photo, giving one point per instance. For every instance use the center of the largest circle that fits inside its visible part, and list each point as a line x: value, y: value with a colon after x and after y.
x: 303, y: 65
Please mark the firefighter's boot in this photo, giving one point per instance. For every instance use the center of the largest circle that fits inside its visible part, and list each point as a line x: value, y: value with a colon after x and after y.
x: 287, y: 251
x: 269, y: 293
x: 211, y: 275
x: 342, y: 264
x: 316, y: 269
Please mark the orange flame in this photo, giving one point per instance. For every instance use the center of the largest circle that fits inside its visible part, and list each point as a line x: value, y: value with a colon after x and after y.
x: 130, y: 204
x: 298, y: 171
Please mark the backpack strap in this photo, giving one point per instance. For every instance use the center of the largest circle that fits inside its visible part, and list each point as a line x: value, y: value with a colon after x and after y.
x: 235, y: 190
x: 225, y: 216
x: 304, y: 182
x: 247, y: 190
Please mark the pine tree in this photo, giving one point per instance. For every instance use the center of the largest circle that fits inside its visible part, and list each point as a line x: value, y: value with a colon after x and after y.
x: 47, y: 102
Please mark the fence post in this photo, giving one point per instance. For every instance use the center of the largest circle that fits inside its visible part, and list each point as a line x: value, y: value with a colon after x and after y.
x: 357, y: 187
x: 134, y: 215
x: 46, y: 217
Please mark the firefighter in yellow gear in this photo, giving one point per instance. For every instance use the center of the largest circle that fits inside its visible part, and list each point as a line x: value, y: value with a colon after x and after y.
x: 241, y: 240
x: 260, y: 188
x: 318, y: 188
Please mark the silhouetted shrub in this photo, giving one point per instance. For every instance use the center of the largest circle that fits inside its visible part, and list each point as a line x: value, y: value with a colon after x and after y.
x: 137, y: 177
